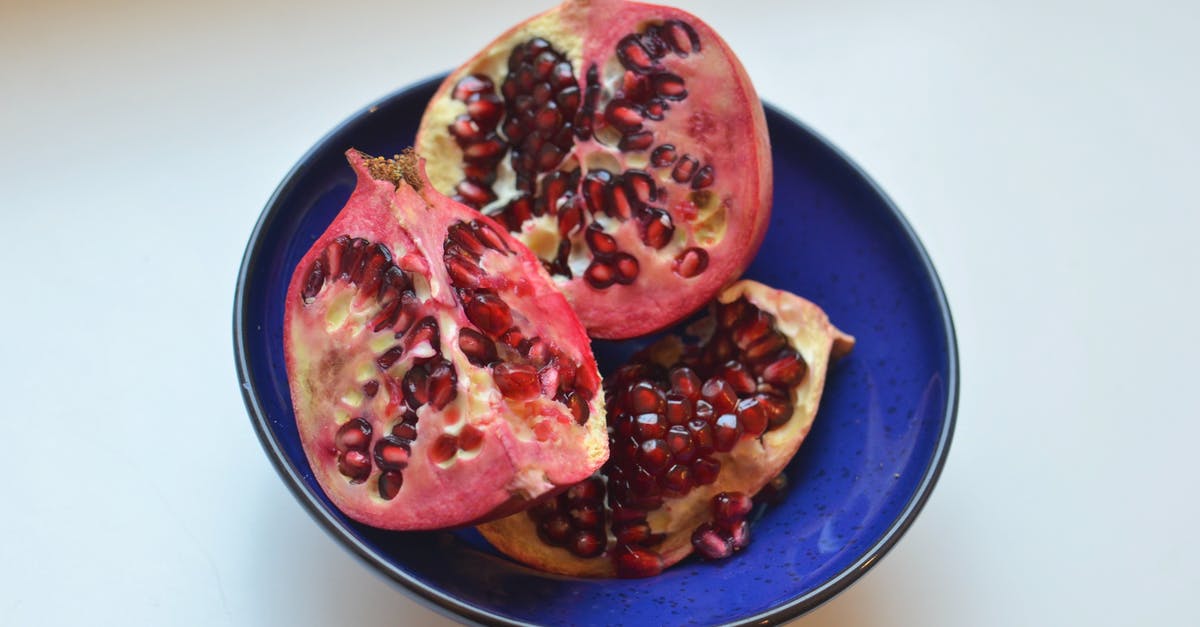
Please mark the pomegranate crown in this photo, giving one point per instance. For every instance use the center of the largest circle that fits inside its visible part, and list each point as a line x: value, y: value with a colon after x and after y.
x: 402, y: 167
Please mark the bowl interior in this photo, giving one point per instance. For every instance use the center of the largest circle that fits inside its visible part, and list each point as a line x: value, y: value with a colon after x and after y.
x: 872, y: 456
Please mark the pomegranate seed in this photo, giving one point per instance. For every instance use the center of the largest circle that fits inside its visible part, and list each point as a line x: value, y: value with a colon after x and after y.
x: 726, y: 432
x: 389, y: 484
x: 678, y: 479
x: 657, y: 229
x: 704, y: 178
x: 649, y: 426
x: 653, y: 455
x: 679, y: 409
x: 681, y: 37
x: 704, y: 411
x: 471, y: 85
x: 788, y: 369
x: 635, y: 142
x: 517, y: 381
x: 569, y: 221
x: 390, y: 356
x: 752, y: 416
x: 416, y: 387
x: 684, y: 381
x: 656, y: 109
x: 464, y: 272
x: 663, y: 156
x: 354, y: 464
x: 600, y: 274
x: 577, y: 406
x: 669, y: 86
x: 587, y: 544
x: 391, y: 453
x: 691, y: 262
x: 753, y: 327
x: 643, y: 483
x: 332, y: 256
x: 489, y: 237
x: 622, y: 516
x: 478, y: 348
x: 738, y: 377
x: 443, y: 449
x: 644, y: 398
x: 555, y: 529
x: 405, y: 432
x: 637, y: 532
x: 778, y: 410
x: 487, y: 149
x: 623, y: 115
x: 720, y: 394
x: 442, y: 385
x: 465, y: 130
x: 730, y: 507
x: 393, y: 284
x: 685, y: 169
x: 705, y: 470
x: 513, y: 338
x: 711, y: 543
x: 765, y: 346
x: 595, y: 190
x: 679, y: 442
x: 739, y: 534
x: 355, y: 434
x: 634, y: 562
x: 474, y: 194
x: 589, y: 490
x: 623, y: 205
x: 586, y: 516
x: 568, y: 99
x: 634, y: 56
x: 653, y: 42
x: 730, y: 314
x: 600, y: 242
x: 485, y: 109
x: 488, y: 312
x: 470, y: 438
x: 315, y: 281
x: 548, y: 118
x: 371, y: 388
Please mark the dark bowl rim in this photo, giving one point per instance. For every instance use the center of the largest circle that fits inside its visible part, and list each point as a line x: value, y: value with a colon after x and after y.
x: 456, y: 608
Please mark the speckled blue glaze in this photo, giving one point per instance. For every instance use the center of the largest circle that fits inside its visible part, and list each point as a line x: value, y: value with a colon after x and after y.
x: 868, y: 465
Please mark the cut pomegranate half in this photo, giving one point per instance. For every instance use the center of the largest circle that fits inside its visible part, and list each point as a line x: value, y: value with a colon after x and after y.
x: 437, y: 375
x: 695, y: 429
x: 624, y: 143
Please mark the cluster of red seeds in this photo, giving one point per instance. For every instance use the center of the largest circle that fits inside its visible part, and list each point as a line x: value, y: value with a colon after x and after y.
x: 729, y: 530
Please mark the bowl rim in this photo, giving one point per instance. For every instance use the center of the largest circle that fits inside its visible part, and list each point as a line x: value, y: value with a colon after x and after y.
x: 453, y: 607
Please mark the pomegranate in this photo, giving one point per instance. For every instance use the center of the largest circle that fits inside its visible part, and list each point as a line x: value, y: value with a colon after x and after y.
x: 695, y: 429
x: 437, y: 375
x: 624, y: 144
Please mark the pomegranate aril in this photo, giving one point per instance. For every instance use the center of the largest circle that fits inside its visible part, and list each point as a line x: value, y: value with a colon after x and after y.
x: 600, y: 274
x: 355, y: 465
x: 488, y: 312
x: 517, y: 381
x: 471, y: 85
x: 730, y: 314
x: 703, y: 178
x: 389, y: 484
x: 643, y: 397
x: 738, y: 377
x: 663, y: 156
x: 474, y: 194
x: 703, y: 410
x: 679, y: 442
x: 487, y: 149
x: 416, y: 387
x: 653, y: 455
x: 622, y: 516
x: 371, y: 388
x: 315, y: 281
x: 636, y: 141
x: 479, y: 349
x: 623, y: 205
x: 489, y: 237
x: 691, y: 262
x: 655, y: 109
x: 391, y: 453
x: 649, y: 426
x: 679, y: 409
x: 631, y: 562
x: 730, y: 507
x: 705, y: 470
x: 657, y: 229
x: 685, y: 382
x: 586, y: 491
x: 634, y: 56
x: 778, y: 410
x: 637, y: 532
x: 569, y: 221
x: 669, y: 86
x: 465, y: 130
x: 568, y: 99
x: 595, y: 190
x: 555, y: 529
x: 752, y: 327
x: 442, y: 385
x: 623, y: 115
x: 485, y: 109
x: 681, y: 37
x: 720, y: 395
x: 678, y: 479
x: 443, y: 449
x: 739, y: 534
x: 354, y: 435
x: 640, y: 185
x: 752, y: 416
x: 586, y: 516
x: 587, y: 544
x: 726, y: 432
x: 787, y: 370
x: 576, y: 405
x: 765, y: 346
x: 685, y: 169
x: 405, y: 431
x: 390, y: 356
x: 711, y: 543
x: 464, y: 272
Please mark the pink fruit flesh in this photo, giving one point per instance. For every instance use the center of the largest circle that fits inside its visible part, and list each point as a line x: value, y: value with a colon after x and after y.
x: 675, y: 462
x: 624, y: 143
x: 397, y: 379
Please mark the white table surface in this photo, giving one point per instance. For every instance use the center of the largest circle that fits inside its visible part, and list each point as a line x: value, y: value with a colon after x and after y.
x: 1046, y: 152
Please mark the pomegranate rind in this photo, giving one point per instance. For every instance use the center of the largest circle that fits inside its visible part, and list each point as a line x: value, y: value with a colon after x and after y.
x: 732, y: 134
x: 511, y: 468
x: 747, y: 468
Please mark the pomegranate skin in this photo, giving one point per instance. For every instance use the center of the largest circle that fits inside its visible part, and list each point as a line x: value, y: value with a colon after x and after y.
x: 476, y: 454
x: 721, y: 208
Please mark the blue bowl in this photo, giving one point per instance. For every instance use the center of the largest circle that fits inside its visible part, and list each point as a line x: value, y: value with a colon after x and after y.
x: 868, y: 466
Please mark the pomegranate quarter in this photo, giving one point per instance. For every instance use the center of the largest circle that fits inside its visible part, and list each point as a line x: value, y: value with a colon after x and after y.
x: 695, y: 429
x: 624, y: 144
x: 437, y: 376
